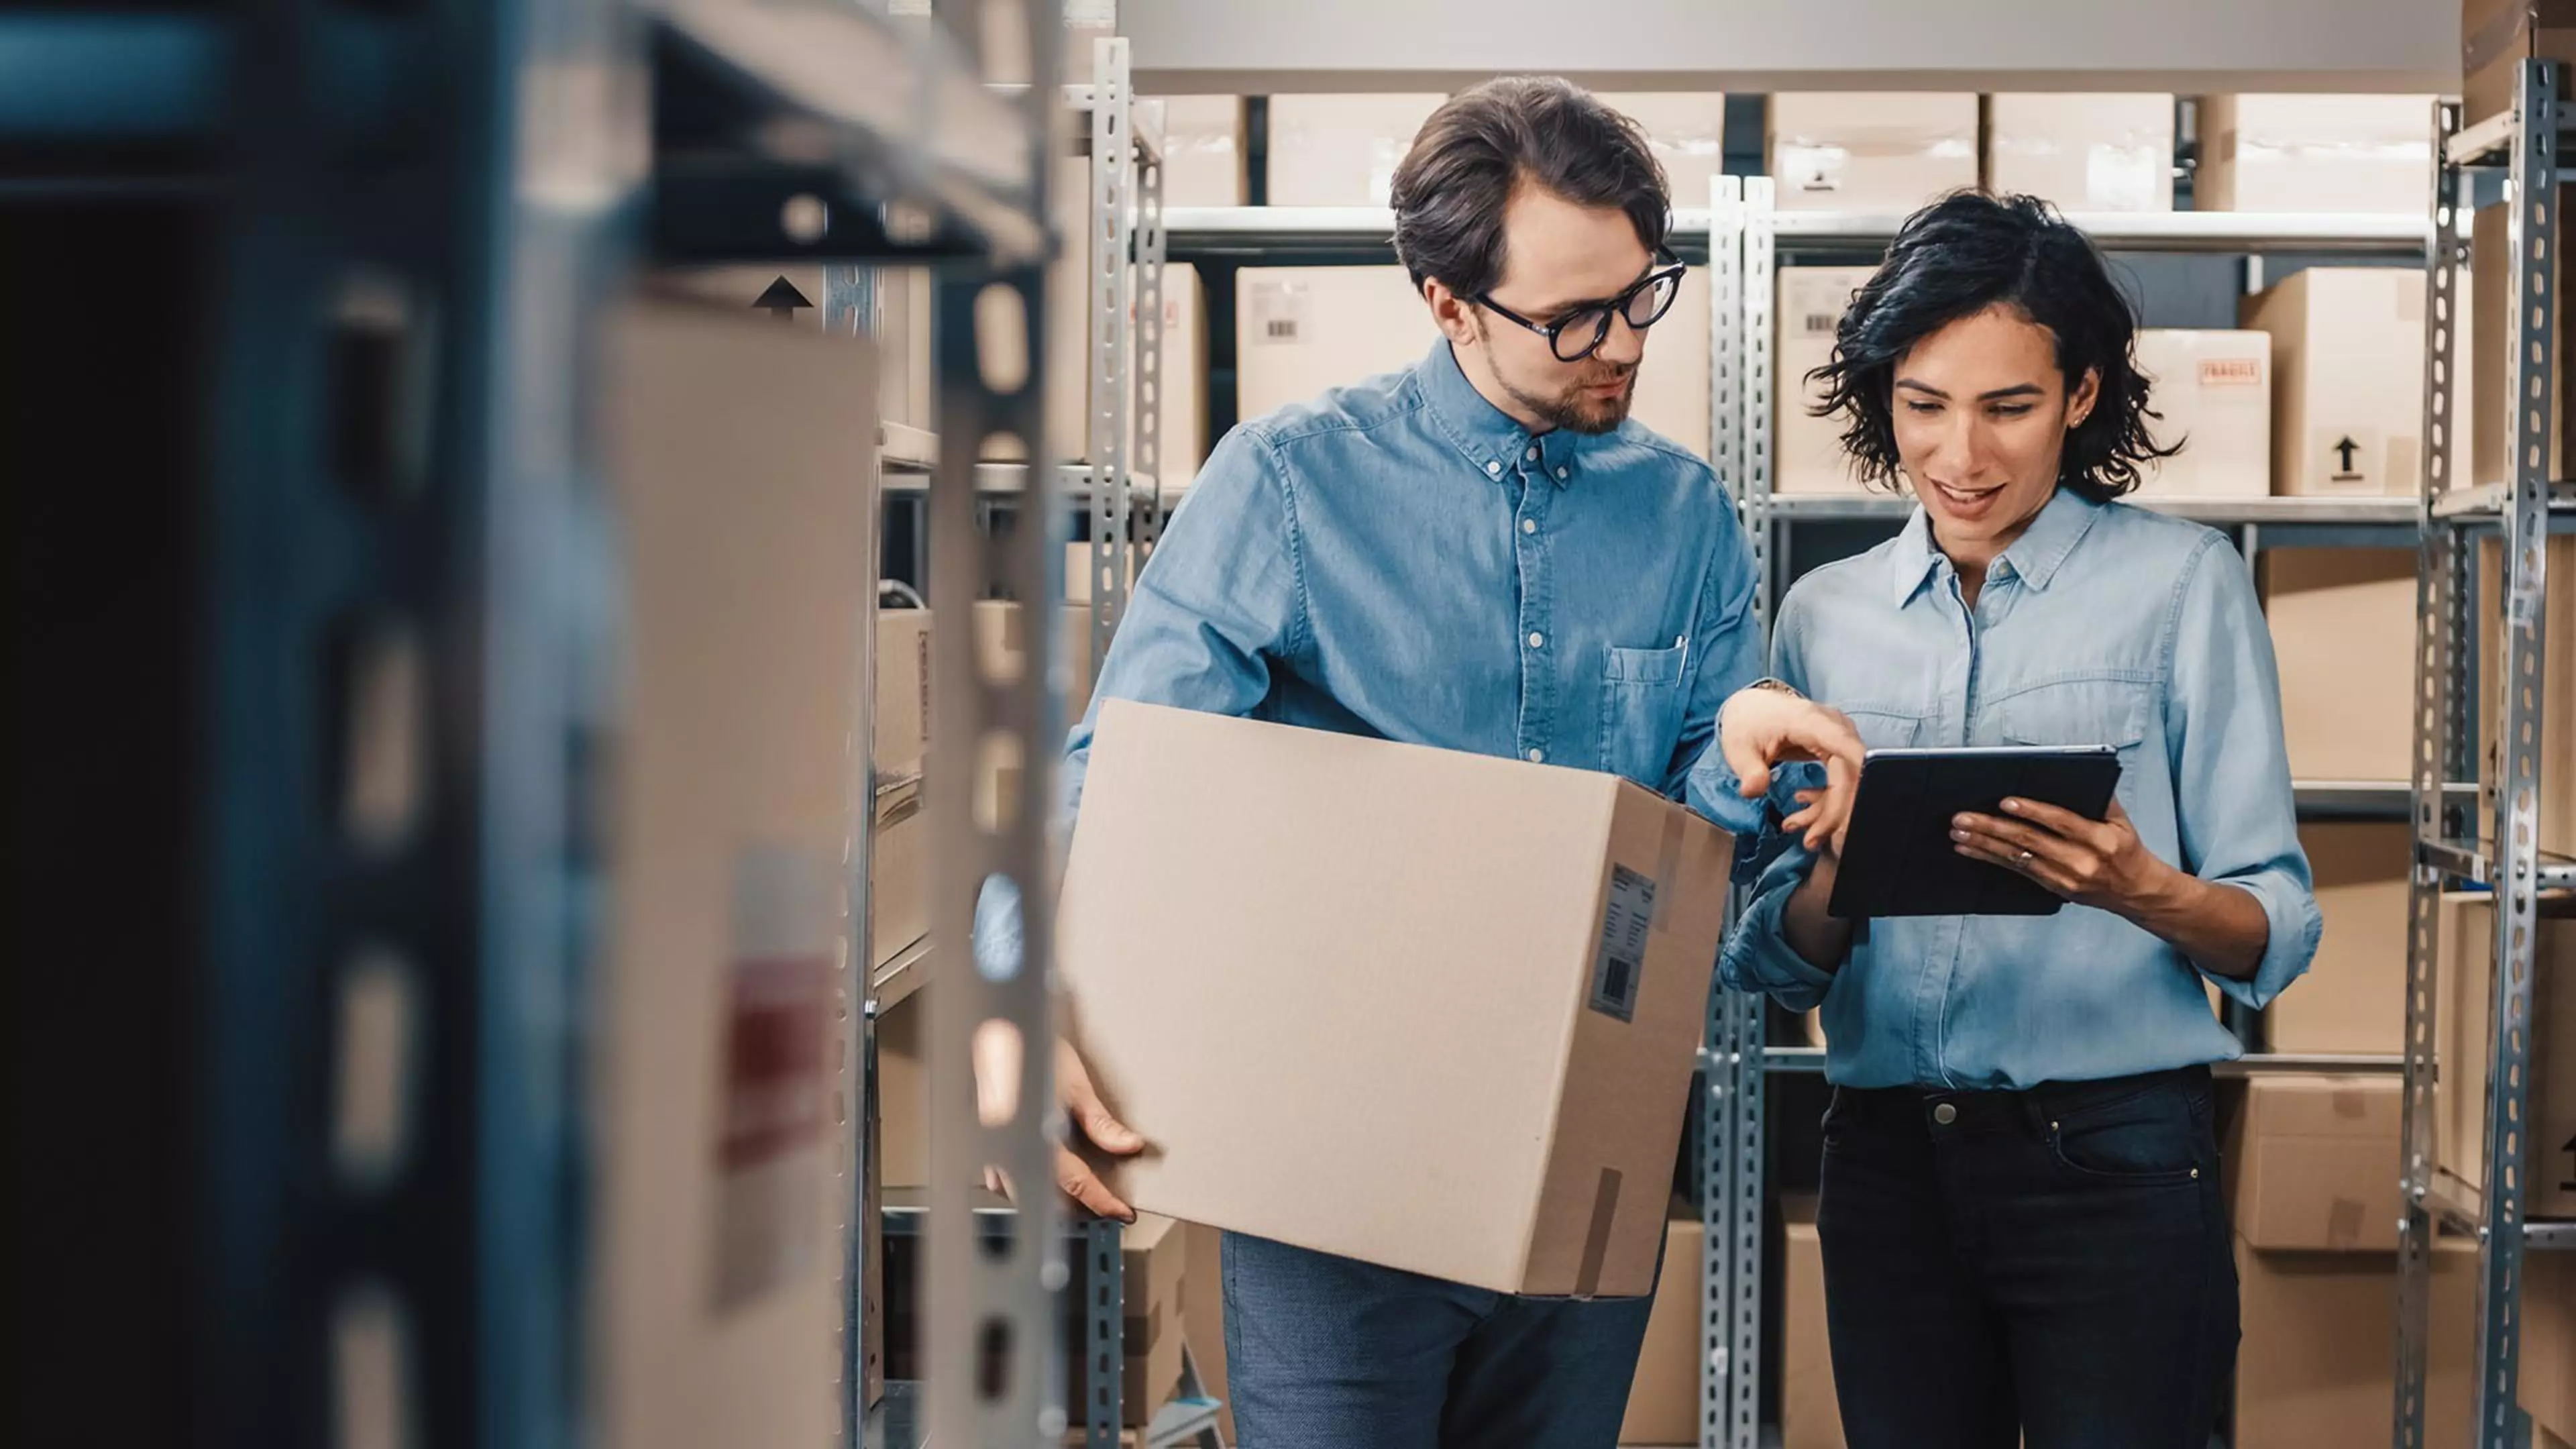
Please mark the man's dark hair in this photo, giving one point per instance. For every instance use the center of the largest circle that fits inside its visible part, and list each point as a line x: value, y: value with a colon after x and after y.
x: 1958, y: 257
x: 1466, y: 160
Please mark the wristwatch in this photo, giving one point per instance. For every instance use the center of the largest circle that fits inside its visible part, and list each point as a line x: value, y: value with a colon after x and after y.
x: 1776, y: 686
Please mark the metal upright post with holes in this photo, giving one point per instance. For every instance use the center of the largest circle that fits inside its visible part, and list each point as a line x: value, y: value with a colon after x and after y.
x: 1113, y: 318
x: 2517, y: 510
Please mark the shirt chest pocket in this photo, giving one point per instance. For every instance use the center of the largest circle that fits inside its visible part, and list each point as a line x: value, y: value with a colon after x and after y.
x: 2082, y: 712
x: 1642, y: 695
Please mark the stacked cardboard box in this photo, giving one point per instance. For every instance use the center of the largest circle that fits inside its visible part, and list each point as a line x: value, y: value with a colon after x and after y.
x: 1886, y: 153
x: 2348, y: 381
x: 1360, y: 1044
x: 2557, y: 696
x: 2315, y: 1163
x: 2083, y: 152
x: 1810, y: 1417
x: 2343, y: 632
x: 1203, y: 160
x: 2316, y: 1363
x: 1663, y: 1399
x: 1203, y: 1317
x: 1687, y: 130
x: 1807, y: 451
x: 1155, y: 1270
x: 1342, y: 150
x: 2353, y: 998
x: 2214, y: 390
x: 736, y: 450
x: 2464, y: 1019
x: 2300, y: 153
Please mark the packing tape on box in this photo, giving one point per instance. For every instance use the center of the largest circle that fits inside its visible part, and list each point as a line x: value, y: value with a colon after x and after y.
x: 1668, y: 859
x: 1596, y: 1236
x: 2348, y: 1102
x: 2343, y: 1223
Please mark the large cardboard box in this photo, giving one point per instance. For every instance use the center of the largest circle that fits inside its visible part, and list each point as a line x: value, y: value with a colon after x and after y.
x: 1301, y: 331
x: 2083, y: 152
x: 2353, y: 998
x: 902, y: 693
x: 2313, y: 1163
x: 2464, y: 1032
x: 1203, y: 160
x: 1810, y: 1416
x: 2302, y: 153
x: 2347, y: 381
x: 1663, y: 1399
x: 2214, y: 389
x: 2343, y: 631
x: 1807, y: 451
x: 1154, y: 1264
x: 1342, y: 150
x: 2493, y: 421
x: 2557, y: 783
x: 737, y: 451
x: 2317, y: 1363
x: 1882, y: 153
x: 1499, y: 1009
x: 2496, y: 36
x: 1687, y: 130
x: 898, y: 872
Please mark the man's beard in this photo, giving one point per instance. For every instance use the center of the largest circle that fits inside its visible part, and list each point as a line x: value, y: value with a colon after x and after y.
x: 1579, y: 410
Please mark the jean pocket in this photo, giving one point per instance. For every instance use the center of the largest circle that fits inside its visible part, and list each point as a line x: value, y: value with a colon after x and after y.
x: 1642, y: 695
x: 2161, y: 1135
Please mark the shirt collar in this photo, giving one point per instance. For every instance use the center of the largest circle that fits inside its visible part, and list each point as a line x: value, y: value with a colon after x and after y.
x: 1489, y: 438
x: 2034, y: 558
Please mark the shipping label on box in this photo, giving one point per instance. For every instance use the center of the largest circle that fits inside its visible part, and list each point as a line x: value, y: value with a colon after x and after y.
x: 1360, y: 1045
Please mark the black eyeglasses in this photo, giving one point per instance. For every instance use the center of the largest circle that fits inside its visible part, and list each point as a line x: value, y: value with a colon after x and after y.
x: 1579, y: 333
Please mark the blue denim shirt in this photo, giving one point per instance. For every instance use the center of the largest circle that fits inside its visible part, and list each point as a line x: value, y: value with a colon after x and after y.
x: 1401, y: 559
x: 2102, y: 624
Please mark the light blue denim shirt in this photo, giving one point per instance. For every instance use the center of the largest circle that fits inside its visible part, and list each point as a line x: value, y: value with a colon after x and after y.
x: 1401, y: 559
x: 2102, y: 624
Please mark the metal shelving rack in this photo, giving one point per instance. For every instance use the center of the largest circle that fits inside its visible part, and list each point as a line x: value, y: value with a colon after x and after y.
x: 964, y: 496
x: 2522, y: 144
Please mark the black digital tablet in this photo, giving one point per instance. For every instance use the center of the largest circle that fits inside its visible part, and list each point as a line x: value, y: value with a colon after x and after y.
x: 1898, y: 858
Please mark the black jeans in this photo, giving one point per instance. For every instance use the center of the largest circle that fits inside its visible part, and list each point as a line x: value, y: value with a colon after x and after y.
x: 2051, y: 1265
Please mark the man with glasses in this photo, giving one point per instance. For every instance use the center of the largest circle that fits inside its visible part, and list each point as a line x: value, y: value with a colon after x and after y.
x: 1482, y: 552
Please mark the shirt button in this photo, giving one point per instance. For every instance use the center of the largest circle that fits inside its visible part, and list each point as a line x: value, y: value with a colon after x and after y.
x: 1529, y: 525
x: 1538, y: 641
x: 1530, y: 457
x: 1496, y: 469
x: 1560, y: 475
x: 1945, y: 1114
x: 1538, y: 757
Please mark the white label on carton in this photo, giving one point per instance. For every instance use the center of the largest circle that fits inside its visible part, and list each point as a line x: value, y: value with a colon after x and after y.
x: 2123, y: 178
x: 1816, y: 170
x: 2348, y: 457
x: 1281, y: 313
x: 1622, y: 960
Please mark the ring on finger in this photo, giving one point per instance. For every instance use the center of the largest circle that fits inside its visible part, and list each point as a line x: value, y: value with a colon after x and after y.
x: 2024, y: 859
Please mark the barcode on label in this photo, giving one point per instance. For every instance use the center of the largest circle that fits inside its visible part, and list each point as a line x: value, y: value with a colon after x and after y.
x: 1281, y: 329
x: 1625, y: 922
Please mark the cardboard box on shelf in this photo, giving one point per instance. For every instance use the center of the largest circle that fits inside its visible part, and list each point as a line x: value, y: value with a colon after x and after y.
x: 2353, y: 997
x: 1882, y: 153
x: 1302, y: 331
x: 1810, y: 1417
x: 1154, y: 1267
x: 1663, y: 1398
x: 902, y: 693
x: 2463, y: 1024
x: 2492, y: 426
x: 2348, y: 381
x: 2084, y: 152
x: 2303, y: 153
x: 1342, y: 150
x: 1359, y: 1044
x: 1687, y: 130
x: 1203, y: 151
x: 2557, y: 784
x: 2496, y: 36
x: 2343, y: 633
x: 903, y: 1103
x: 1807, y: 451
x: 898, y: 873
x: 1203, y: 1317
x: 905, y: 323
x: 2214, y: 389
x: 2548, y: 1390
x: 1182, y: 379
x: 2315, y: 1365
x: 2314, y: 1163
x: 737, y: 451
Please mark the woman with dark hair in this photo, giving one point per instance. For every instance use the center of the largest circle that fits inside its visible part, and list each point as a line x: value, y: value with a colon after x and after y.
x: 2022, y: 1228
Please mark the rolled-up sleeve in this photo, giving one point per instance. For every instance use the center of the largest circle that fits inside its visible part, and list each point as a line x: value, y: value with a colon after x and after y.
x: 2231, y: 768
x: 1758, y: 956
